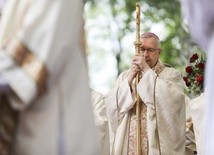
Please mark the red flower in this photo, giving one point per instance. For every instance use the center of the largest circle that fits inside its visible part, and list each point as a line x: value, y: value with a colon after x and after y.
x: 188, y: 84
x: 189, y: 69
x: 194, y: 75
x: 201, y: 65
x: 199, y: 78
x: 193, y: 58
x: 185, y: 79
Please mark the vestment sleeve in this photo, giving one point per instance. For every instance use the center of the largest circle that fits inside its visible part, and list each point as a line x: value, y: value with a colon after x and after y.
x: 122, y: 97
x: 164, y: 89
x: 118, y: 102
x: 33, y: 56
x: 163, y: 95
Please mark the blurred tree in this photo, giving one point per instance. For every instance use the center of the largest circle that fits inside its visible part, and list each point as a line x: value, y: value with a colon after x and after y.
x: 163, y: 11
x: 175, y: 40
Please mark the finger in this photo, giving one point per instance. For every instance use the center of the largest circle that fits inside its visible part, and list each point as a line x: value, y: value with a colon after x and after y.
x: 136, y: 69
x: 135, y: 62
x: 135, y: 66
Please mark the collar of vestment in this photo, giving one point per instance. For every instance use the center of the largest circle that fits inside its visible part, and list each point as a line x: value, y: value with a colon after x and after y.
x: 158, y: 67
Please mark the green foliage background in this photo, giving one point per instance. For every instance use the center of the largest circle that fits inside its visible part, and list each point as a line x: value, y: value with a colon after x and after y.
x: 177, y: 45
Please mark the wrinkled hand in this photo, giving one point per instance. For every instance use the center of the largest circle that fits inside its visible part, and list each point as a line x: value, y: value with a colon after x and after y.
x: 132, y: 73
x: 139, y: 61
x: 139, y: 65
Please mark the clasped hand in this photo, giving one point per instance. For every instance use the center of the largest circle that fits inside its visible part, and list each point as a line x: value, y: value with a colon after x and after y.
x: 139, y: 65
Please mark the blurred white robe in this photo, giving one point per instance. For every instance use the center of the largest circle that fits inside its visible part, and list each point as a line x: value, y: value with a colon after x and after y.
x: 190, y: 135
x: 197, y: 113
x: 101, y: 121
x: 60, y: 121
x: 165, y: 136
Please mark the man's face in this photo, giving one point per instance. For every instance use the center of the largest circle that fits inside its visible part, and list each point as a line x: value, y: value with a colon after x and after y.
x: 150, y: 51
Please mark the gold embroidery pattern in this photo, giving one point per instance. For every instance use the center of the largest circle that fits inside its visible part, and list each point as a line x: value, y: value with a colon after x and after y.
x: 30, y: 64
x: 158, y: 67
x: 132, y: 132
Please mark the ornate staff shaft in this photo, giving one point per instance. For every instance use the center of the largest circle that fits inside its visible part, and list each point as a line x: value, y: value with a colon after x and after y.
x: 137, y: 50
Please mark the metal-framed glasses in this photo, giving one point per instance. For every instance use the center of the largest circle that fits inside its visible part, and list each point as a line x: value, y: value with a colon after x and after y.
x: 149, y: 50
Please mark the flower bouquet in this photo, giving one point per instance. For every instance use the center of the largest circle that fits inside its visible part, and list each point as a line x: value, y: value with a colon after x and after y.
x: 194, y: 78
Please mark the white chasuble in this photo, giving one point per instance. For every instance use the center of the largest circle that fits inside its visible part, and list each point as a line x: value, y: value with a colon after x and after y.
x: 161, y: 91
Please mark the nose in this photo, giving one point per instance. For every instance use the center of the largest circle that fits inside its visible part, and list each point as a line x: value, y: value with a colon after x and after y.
x: 145, y: 53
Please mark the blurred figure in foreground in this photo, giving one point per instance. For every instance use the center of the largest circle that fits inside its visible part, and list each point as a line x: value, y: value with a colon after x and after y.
x: 200, y: 17
x: 45, y: 104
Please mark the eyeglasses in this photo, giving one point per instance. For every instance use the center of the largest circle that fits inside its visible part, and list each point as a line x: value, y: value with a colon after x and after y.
x: 149, y: 50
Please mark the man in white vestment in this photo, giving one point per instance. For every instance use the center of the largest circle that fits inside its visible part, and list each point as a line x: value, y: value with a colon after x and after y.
x: 200, y: 17
x: 45, y: 108
x: 162, y: 105
x: 101, y: 121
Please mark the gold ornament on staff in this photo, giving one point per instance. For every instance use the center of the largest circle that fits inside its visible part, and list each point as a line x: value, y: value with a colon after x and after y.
x: 138, y: 109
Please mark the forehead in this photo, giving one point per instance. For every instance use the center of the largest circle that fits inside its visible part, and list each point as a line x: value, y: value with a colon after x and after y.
x: 148, y: 42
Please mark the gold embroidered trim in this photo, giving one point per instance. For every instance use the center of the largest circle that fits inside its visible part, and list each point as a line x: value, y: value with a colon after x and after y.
x: 156, y: 117
x: 158, y: 67
x: 34, y: 67
x: 132, y: 139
